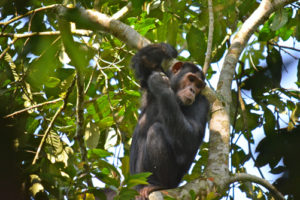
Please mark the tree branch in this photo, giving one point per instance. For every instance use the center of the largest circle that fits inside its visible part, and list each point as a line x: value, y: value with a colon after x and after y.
x: 217, y: 166
x: 33, y: 107
x: 97, y: 21
x: 210, y: 37
x: 243, y: 177
x: 65, y: 98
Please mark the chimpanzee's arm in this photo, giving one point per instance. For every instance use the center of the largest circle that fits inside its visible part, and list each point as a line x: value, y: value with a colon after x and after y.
x: 149, y: 59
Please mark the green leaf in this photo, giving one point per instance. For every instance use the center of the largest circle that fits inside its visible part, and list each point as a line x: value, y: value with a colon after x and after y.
x: 275, y: 100
x: 196, y: 44
x: 91, y: 135
x: 52, y: 82
x: 270, y: 122
x: 98, y: 153
x: 143, y: 25
x: 108, y: 180
x: 137, y: 179
x: 106, y: 122
x: 211, y: 196
x: 126, y: 194
x: 32, y: 124
x: 133, y: 93
x: 297, y: 32
x: 280, y: 19
x: 290, y: 105
x: 238, y: 157
x: 137, y: 4
x: 104, y: 164
x: 162, y: 30
x: 172, y: 31
x: 125, y: 166
x: 278, y: 170
x: 266, y: 33
x: 97, y: 193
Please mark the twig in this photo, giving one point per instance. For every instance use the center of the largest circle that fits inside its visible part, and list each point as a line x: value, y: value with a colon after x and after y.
x: 243, y: 177
x: 90, y: 81
x: 65, y: 98
x: 245, y: 119
x: 7, y: 48
x: 210, y: 37
x: 33, y: 107
x: 282, y: 46
x: 46, y: 133
x: 252, y: 63
x: 110, y: 104
x: 45, y: 33
x: 28, y: 13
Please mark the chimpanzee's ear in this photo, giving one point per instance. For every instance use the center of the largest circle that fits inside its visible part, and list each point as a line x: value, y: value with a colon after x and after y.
x: 176, y: 67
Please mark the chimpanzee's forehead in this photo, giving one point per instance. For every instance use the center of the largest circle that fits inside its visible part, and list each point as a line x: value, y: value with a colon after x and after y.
x: 191, y: 67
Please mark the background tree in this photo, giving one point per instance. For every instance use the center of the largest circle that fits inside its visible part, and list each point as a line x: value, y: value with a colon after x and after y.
x: 69, y: 100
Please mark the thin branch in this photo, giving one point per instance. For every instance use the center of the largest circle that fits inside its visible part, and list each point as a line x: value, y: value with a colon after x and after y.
x: 46, y: 133
x: 7, y: 48
x: 110, y: 104
x: 243, y: 177
x: 225, y: 40
x: 210, y: 37
x: 245, y: 119
x: 252, y: 63
x: 282, y: 46
x: 61, y: 108
x: 45, y: 33
x: 28, y: 13
x: 90, y: 81
x: 33, y: 107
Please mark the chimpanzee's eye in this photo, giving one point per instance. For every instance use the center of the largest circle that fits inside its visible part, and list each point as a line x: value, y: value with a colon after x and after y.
x: 191, y: 78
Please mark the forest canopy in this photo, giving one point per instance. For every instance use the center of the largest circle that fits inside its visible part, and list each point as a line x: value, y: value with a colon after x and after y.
x: 69, y: 99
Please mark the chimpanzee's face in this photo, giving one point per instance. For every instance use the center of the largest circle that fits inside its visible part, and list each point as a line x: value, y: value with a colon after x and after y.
x: 188, y: 82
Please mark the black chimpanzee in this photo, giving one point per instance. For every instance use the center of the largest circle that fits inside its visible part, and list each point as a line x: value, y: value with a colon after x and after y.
x: 172, y: 121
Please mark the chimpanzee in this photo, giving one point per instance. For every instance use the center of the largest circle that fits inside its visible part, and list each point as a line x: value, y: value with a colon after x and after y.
x: 172, y: 121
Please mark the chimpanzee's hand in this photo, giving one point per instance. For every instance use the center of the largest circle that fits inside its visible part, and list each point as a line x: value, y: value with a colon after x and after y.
x: 158, y: 81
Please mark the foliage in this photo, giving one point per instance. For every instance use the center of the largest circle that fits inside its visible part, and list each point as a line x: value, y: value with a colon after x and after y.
x: 269, y: 153
x: 36, y: 74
